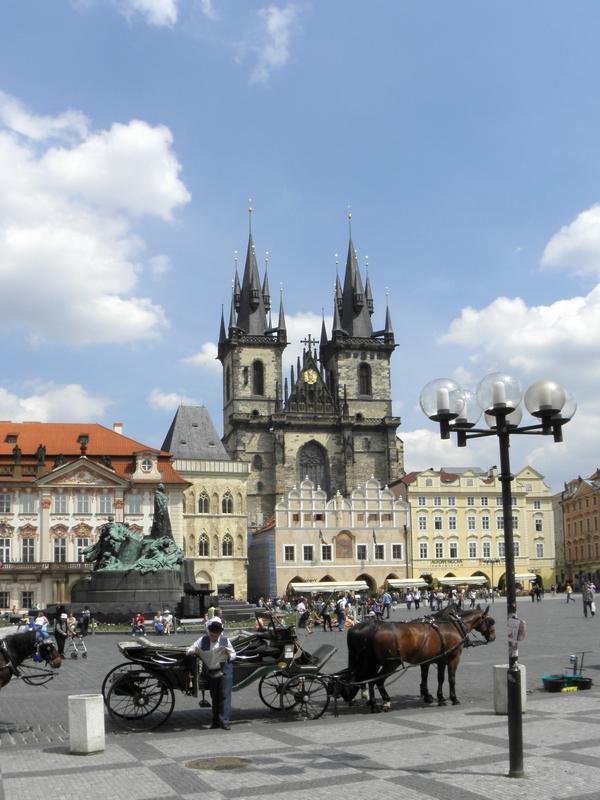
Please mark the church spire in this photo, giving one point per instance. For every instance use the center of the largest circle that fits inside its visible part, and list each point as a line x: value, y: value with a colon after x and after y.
x: 355, y: 317
x: 252, y: 318
x: 237, y: 291
x: 389, y: 331
x: 265, y: 287
x: 323, y: 341
x: 368, y: 292
x: 222, y: 333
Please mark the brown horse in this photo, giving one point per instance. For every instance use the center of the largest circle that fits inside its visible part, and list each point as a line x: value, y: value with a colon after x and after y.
x: 378, y: 649
x: 17, y: 647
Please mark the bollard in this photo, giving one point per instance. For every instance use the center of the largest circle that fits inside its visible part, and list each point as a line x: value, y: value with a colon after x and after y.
x: 501, y: 691
x: 86, y: 723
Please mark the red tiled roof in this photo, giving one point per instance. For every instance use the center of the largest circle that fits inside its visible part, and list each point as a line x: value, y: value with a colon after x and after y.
x: 268, y: 525
x: 61, y: 437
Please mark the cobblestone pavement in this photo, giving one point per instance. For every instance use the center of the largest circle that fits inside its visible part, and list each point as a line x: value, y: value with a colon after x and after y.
x: 413, y: 752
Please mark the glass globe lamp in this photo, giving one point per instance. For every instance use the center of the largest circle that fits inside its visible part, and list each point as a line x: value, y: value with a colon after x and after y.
x: 545, y: 399
x: 499, y: 393
x: 442, y: 399
x: 468, y: 417
x: 513, y: 420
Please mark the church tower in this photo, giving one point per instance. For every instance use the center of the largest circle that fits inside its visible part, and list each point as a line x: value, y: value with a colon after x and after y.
x: 331, y: 420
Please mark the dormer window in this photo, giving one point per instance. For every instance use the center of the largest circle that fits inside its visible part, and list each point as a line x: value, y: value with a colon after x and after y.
x: 11, y: 438
x: 146, y: 465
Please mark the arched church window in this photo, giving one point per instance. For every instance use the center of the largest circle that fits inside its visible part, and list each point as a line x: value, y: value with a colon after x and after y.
x: 203, y: 503
x: 257, y: 463
x: 364, y: 378
x: 203, y: 546
x: 258, y: 378
x: 228, y: 384
x: 227, y: 503
x: 227, y: 545
x: 314, y: 464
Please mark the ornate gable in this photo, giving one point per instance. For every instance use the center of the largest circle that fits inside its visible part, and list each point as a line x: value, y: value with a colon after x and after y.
x: 82, y: 472
x: 309, y: 393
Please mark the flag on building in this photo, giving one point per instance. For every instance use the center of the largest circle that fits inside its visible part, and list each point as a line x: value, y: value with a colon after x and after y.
x: 321, y: 539
x: 374, y: 538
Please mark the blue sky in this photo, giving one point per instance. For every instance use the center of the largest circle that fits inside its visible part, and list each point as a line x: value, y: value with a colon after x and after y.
x: 463, y: 135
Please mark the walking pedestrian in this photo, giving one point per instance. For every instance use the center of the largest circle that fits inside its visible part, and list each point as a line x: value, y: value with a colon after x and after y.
x: 569, y: 592
x: 340, y: 610
x: 61, y: 632
x: 588, y: 595
x: 326, y: 614
x: 417, y: 599
x: 86, y: 616
x: 387, y: 604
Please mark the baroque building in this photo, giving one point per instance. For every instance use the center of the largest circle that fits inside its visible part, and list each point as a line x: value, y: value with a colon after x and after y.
x: 59, y: 483
x: 215, y: 522
x: 458, y: 525
x: 580, y: 507
x: 312, y: 539
x: 331, y: 419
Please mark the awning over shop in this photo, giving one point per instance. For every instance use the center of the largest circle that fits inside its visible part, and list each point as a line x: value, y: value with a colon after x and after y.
x: 525, y: 576
x: 406, y: 583
x: 330, y: 586
x: 471, y: 580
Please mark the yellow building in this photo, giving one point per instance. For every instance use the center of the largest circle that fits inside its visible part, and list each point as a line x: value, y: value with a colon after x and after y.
x: 311, y: 539
x: 458, y: 526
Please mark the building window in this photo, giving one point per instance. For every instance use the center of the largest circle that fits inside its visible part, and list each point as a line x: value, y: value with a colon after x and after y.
x: 500, y: 523
x: 105, y: 504
x: 361, y: 552
x: 517, y: 548
x: 379, y: 552
x: 452, y: 523
x: 515, y: 521
x: 451, y: 500
x: 257, y: 463
x: 4, y: 599
x: 439, y: 549
x: 515, y: 500
x: 539, y: 549
x: 487, y: 549
x: 397, y: 551
x: 258, y: 378
x: 60, y: 504
x: 422, y: 523
x: 28, y: 550
x: 364, y: 379
x: 146, y: 465
x: 289, y: 552
x: 484, y: 501
x: 485, y: 523
x: 470, y: 500
x: 4, y: 503
x: 313, y: 464
x: 203, y: 546
x: 422, y: 500
x: 501, y: 551
x: 539, y: 525
x: 472, y: 549
x: 227, y: 384
x: 423, y: 550
x: 227, y: 545
x: 499, y: 500
x: 326, y: 552
x: 203, y: 503
x: 471, y: 523
x: 437, y: 501
x: 26, y: 599
x: 81, y: 543
x: 428, y: 481
x: 437, y: 523
x: 529, y: 487
x: 453, y: 549
x: 134, y: 504
x: 83, y: 504
x: 60, y: 550
x: 227, y: 503
x: 28, y: 503
x: 4, y: 551
x: 308, y: 552
x: 469, y: 481
x: 537, y: 503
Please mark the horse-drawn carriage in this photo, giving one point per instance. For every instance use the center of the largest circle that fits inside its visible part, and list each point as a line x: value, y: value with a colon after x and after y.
x: 140, y: 693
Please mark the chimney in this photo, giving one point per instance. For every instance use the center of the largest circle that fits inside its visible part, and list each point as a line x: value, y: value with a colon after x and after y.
x: 118, y: 427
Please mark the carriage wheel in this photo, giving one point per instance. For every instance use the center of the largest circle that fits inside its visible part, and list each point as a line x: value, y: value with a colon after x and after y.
x: 306, y: 695
x: 116, y: 672
x: 271, y: 692
x: 140, y: 700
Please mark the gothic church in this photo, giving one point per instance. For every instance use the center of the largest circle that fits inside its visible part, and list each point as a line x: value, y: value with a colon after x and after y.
x: 331, y: 420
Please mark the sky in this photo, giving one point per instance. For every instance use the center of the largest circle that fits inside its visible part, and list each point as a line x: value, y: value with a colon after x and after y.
x: 463, y: 137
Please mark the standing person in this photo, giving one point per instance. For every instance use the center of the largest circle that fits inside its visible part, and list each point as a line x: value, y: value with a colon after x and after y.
x: 569, y: 592
x: 587, y: 595
x: 220, y: 681
x: 326, y: 614
x: 61, y: 632
x: 86, y: 616
x: 439, y: 599
x: 387, y: 604
x: 340, y: 610
x: 417, y: 598
x: 409, y: 599
x: 302, y: 612
x: 472, y: 598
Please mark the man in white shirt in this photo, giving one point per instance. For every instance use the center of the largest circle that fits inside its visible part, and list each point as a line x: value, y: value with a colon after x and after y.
x: 220, y: 681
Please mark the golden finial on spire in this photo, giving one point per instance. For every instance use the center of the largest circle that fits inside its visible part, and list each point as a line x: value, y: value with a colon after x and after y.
x: 349, y: 220
x: 337, y: 262
x: 235, y: 258
x: 367, y: 264
x: 266, y: 259
x: 250, y: 210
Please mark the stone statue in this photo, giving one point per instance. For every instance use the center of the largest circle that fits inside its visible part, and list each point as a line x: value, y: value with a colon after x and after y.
x: 40, y: 454
x: 120, y: 549
x: 59, y: 461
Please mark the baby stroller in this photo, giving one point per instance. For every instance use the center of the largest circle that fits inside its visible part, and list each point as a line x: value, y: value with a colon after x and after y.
x: 75, y: 645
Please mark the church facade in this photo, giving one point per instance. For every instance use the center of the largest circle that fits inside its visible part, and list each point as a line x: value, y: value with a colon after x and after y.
x: 331, y: 419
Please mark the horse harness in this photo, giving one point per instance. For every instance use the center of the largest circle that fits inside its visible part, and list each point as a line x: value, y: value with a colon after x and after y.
x: 30, y: 677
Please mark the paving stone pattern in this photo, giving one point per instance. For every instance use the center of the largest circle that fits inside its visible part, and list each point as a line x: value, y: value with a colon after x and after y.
x: 412, y: 753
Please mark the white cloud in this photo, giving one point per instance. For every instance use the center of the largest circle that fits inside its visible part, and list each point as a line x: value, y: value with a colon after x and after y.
x: 576, y: 247
x: 16, y: 117
x: 423, y: 448
x: 159, y: 266
x: 208, y: 9
x: 206, y: 357
x: 52, y: 403
x: 268, y: 43
x: 69, y: 251
x: 160, y: 13
x: 298, y: 327
x: 169, y: 401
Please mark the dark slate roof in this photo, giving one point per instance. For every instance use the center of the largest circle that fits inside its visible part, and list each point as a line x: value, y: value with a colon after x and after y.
x: 193, y: 435
x: 252, y: 318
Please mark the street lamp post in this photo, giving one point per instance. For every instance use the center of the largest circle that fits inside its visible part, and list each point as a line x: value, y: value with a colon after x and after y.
x: 491, y: 562
x: 457, y: 411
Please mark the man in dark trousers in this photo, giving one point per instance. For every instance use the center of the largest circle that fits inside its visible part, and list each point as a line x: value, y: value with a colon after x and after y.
x: 220, y: 680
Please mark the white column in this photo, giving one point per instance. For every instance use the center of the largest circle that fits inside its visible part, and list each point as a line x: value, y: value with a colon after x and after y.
x: 86, y: 723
